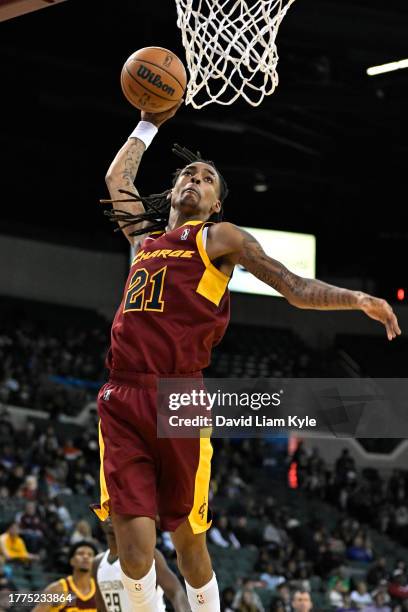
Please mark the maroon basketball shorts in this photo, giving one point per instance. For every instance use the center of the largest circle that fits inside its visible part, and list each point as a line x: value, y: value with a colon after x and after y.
x: 141, y: 474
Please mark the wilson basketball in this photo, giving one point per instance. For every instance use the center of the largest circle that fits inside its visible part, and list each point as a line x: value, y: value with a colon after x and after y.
x: 153, y: 79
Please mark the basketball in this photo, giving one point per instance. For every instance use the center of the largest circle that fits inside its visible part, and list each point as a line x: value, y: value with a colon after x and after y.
x: 153, y: 79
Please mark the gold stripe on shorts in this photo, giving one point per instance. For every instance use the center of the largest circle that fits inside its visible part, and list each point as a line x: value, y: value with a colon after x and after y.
x: 198, y: 514
x: 102, y: 512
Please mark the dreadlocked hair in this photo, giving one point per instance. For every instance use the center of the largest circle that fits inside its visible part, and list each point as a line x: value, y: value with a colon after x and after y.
x: 157, y: 205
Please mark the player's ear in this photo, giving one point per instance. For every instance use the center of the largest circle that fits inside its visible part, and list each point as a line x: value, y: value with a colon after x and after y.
x: 216, y: 207
x: 168, y: 196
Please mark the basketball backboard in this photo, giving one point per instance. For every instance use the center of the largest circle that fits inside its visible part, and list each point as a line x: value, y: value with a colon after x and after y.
x: 15, y: 8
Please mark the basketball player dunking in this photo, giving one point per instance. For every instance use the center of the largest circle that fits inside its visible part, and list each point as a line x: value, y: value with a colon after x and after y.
x: 75, y: 593
x: 110, y: 594
x: 175, y: 308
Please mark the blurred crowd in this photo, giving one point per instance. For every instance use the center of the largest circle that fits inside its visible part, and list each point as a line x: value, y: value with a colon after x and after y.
x: 293, y: 558
x: 37, y: 469
x: 50, y: 370
x: 378, y: 501
x: 58, y: 368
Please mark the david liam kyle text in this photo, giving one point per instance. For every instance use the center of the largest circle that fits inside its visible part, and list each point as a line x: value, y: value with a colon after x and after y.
x: 290, y: 421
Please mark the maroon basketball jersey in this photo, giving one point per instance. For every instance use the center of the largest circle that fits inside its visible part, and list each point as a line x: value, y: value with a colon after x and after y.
x: 175, y: 306
x: 74, y: 600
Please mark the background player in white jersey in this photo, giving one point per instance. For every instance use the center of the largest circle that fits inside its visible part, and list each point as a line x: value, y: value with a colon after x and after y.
x: 110, y: 593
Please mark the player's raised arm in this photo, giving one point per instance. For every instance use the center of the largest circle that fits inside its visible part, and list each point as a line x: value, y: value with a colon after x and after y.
x: 170, y: 584
x: 237, y: 246
x: 123, y: 170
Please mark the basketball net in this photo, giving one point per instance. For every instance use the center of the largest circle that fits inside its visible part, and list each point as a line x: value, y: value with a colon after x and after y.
x: 230, y: 48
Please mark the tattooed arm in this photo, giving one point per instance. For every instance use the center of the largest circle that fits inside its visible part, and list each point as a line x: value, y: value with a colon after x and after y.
x: 124, y: 168
x: 231, y: 245
x: 121, y: 175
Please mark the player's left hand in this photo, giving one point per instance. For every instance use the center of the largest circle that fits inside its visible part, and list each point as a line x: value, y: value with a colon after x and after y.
x: 380, y: 310
x: 158, y: 118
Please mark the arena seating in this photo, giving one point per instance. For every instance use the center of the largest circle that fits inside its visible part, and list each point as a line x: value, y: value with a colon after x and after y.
x: 249, y: 477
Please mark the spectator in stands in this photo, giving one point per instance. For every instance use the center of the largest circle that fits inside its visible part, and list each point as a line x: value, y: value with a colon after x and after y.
x: 17, y: 474
x: 31, y: 527
x: 336, y: 595
x: 7, y: 586
x: 400, y: 522
x: 383, y: 589
x: 28, y: 436
x: 82, y: 533
x: 301, y: 601
x: 290, y: 568
x: 283, y: 596
x: 29, y: 488
x: 13, y: 547
x: 57, y: 545
x: 263, y: 561
x: 235, y: 485
x: 379, y: 603
x: 63, y: 513
x: 222, y: 535
x: 400, y: 564
x: 325, y: 560
x: 344, y: 463
x: 57, y: 473
x: 377, y: 572
x: 3, y: 478
x: 360, y: 596
x: 359, y: 550
x: 348, y: 605
x: 6, y: 574
x: 48, y: 440
x: 80, y: 478
x: 277, y: 605
x: 244, y: 536
x: 396, y: 487
x: 345, y: 466
x: 248, y: 588
x: 336, y: 543
x: 398, y: 587
x: 71, y: 452
x: 274, y: 536
x: 227, y: 598
x: 271, y: 577
x: 248, y: 601
x: 301, y: 580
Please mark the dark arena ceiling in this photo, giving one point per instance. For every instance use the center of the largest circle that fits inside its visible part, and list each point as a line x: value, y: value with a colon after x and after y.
x: 330, y: 145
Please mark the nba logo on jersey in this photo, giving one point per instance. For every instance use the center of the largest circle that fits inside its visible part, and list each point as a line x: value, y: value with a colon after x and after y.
x: 106, y: 394
x: 185, y: 234
x: 200, y: 598
x: 138, y: 586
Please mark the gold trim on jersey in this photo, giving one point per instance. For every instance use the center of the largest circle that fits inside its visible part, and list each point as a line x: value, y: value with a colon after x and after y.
x: 198, y: 514
x: 213, y: 282
x: 78, y: 593
x: 192, y: 223
x: 68, y: 586
x: 103, y: 512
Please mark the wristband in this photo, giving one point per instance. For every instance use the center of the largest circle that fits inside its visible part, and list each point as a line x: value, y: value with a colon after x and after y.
x: 144, y: 131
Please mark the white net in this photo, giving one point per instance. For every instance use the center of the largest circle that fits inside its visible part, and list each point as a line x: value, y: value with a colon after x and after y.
x: 230, y: 48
